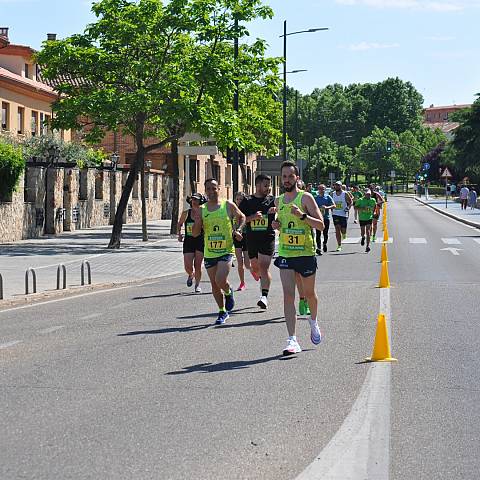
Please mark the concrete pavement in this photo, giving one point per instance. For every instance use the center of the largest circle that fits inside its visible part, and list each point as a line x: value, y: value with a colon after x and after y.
x: 135, y: 260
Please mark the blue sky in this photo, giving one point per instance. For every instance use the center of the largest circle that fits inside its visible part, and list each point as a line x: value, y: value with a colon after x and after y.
x: 433, y: 44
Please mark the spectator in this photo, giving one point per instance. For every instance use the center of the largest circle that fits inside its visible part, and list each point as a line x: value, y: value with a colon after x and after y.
x: 464, y: 191
x: 472, y: 198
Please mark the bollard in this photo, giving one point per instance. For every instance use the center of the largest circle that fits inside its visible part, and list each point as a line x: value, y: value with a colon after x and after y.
x: 1, y: 287
x: 89, y: 272
x: 34, y: 281
x: 61, y: 269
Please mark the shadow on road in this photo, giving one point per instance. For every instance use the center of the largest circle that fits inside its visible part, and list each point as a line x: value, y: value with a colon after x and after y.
x: 191, y: 328
x: 226, y: 366
x: 176, y: 294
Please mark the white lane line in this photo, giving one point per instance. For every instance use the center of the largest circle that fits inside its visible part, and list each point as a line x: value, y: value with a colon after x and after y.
x: 476, y: 240
x: 92, y: 315
x: 351, y: 240
x: 380, y: 240
x: 51, y: 329
x: 361, y: 447
x: 417, y: 240
x: 9, y: 344
x: 451, y: 241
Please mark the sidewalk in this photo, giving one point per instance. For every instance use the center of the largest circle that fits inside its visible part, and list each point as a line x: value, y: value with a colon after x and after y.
x: 453, y: 210
x: 135, y: 260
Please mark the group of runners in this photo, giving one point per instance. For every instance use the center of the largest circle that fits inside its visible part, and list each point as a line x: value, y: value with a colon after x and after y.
x: 216, y: 230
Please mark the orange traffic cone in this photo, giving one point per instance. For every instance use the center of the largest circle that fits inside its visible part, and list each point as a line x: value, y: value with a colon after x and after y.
x: 381, y: 346
x: 384, y: 257
x: 384, y: 279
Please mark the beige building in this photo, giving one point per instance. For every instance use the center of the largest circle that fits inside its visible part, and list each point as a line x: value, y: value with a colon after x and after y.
x: 25, y: 101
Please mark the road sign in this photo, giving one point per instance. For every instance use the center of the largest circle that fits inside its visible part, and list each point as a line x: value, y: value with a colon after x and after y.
x: 392, y: 173
x: 331, y: 177
x: 426, y: 166
x: 269, y: 166
x: 446, y: 173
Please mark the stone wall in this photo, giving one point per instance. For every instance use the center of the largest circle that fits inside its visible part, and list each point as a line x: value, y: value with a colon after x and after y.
x: 53, y: 200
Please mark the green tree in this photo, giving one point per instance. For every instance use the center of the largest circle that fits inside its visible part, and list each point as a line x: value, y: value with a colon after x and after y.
x: 157, y: 70
x: 12, y: 164
x: 323, y: 159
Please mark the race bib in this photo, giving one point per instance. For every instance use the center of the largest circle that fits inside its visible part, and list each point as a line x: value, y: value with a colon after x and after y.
x: 217, y: 244
x: 293, y: 239
x: 339, y: 206
x: 189, y: 227
x: 259, y: 224
x: 322, y: 210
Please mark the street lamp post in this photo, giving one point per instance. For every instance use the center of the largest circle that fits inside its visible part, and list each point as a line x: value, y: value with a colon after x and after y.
x: 285, y: 35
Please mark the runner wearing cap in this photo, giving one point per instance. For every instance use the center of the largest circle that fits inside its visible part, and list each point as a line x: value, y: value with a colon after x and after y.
x: 376, y: 214
x: 192, y: 246
x: 366, y: 207
x: 326, y: 204
x: 356, y: 194
x: 343, y: 202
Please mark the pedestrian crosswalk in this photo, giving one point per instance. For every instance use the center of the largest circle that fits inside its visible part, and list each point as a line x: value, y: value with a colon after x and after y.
x: 419, y: 240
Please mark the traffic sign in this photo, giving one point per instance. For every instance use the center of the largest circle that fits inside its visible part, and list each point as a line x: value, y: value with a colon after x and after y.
x: 426, y: 166
x: 392, y: 173
x: 446, y: 173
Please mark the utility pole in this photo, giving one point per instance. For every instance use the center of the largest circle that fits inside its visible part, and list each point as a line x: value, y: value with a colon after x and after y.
x: 235, y: 161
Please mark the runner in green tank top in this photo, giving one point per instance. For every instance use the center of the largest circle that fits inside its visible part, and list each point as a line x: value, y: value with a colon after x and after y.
x: 297, y: 216
x: 220, y: 220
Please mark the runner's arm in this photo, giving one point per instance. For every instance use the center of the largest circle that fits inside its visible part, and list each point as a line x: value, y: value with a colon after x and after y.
x: 238, y: 218
x: 197, y: 223
x: 181, y: 221
x: 314, y: 217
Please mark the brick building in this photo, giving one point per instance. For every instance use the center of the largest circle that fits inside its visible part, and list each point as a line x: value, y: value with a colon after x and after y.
x: 440, y: 117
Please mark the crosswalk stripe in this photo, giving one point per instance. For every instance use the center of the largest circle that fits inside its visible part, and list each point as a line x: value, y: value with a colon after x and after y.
x: 417, y: 240
x: 351, y: 240
x: 451, y: 241
x: 476, y: 240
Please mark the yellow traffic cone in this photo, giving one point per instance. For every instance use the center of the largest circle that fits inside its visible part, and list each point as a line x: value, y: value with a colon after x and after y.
x: 384, y: 257
x: 381, y: 347
x: 385, y: 234
x: 384, y: 279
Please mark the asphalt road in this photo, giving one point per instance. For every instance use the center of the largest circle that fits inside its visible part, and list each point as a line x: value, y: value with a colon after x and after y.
x: 136, y: 383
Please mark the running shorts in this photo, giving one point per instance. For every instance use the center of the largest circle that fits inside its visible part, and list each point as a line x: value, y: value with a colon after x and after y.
x: 193, y: 244
x: 212, y: 262
x: 363, y: 223
x: 264, y: 246
x: 241, y: 243
x: 342, y: 221
x: 305, y: 266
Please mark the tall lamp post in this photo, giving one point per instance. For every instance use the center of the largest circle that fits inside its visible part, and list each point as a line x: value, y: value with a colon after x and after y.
x: 284, y: 36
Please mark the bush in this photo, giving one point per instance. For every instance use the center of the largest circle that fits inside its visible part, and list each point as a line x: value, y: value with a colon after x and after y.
x: 12, y: 164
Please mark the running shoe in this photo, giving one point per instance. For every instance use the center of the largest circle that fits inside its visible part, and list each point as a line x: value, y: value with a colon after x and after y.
x: 374, y: 238
x: 339, y: 249
x: 292, y: 347
x: 354, y: 221
x: 315, y: 333
x: 229, y: 302
x: 367, y: 249
x: 241, y: 287
x: 189, y: 281
x: 324, y: 247
x: 344, y: 236
x: 362, y: 243
x: 319, y: 251
x: 255, y: 276
x: 301, y: 307
x: 222, y: 318
x: 263, y: 302
x: 198, y: 289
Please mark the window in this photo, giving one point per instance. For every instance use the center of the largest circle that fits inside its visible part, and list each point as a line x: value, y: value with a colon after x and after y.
x: 34, y: 123
x: 21, y: 120
x: 27, y: 72
x: 83, y: 185
x: 194, y: 173
x: 216, y: 172
x: 42, y: 123
x: 445, y: 116
x: 5, y: 116
x: 46, y: 124
x: 155, y: 185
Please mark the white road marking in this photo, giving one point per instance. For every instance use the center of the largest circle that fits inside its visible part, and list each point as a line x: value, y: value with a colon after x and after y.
x: 452, y: 250
x: 390, y: 240
x: 417, y: 240
x: 351, y: 240
x: 92, y: 315
x: 9, y: 344
x: 451, y: 241
x: 361, y: 447
x: 476, y: 240
x: 51, y: 329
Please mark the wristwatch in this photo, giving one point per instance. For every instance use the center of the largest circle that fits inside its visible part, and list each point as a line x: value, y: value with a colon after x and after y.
x: 303, y: 217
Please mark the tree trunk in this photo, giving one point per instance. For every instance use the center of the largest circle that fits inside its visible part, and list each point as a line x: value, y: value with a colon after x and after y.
x: 144, y: 202
x: 176, y: 188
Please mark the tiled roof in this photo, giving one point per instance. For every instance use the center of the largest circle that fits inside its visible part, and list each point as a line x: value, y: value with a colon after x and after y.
x: 31, y: 84
x: 448, y: 107
x: 445, y: 127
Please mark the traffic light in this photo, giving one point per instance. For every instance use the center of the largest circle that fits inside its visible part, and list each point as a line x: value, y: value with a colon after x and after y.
x: 389, y: 146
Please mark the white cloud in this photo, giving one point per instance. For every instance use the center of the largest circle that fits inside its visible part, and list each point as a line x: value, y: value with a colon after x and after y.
x: 428, y: 5
x: 363, y: 46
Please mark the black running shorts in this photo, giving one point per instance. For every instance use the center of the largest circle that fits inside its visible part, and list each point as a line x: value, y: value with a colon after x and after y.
x: 363, y: 223
x: 262, y: 245
x: 305, y: 266
x: 241, y: 243
x: 338, y: 220
x: 193, y: 244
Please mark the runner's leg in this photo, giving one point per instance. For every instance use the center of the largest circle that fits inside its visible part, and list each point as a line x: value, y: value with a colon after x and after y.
x: 240, y: 268
x: 221, y: 276
x: 188, y: 265
x: 288, y: 286
x: 264, y: 262
x: 198, y: 267
x: 216, y: 290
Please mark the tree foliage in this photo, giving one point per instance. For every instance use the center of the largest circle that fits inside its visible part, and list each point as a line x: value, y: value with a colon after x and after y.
x: 12, y: 164
x: 156, y: 70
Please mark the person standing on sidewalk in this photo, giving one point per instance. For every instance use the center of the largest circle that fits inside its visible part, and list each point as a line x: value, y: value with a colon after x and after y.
x: 297, y: 216
x: 260, y: 234
x: 464, y: 191
x: 472, y: 198
x: 221, y: 220
x: 192, y: 246
x: 366, y: 207
x: 325, y: 204
x: 343, y: 202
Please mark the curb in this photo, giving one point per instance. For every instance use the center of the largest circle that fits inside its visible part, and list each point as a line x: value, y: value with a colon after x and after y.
x: 450, y: 215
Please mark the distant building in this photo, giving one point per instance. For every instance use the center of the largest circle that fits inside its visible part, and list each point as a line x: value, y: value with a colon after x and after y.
x: 440, y: 117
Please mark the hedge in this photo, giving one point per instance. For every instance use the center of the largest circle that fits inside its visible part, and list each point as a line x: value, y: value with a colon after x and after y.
x: 12, y: 164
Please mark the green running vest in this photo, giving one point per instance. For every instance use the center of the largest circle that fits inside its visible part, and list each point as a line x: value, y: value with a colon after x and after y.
x: 218, y: 232
x: 296, y: 236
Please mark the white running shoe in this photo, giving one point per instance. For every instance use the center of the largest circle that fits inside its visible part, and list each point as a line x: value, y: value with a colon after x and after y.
x: 263, y: 302
x: 315, y: 333
x: 292, y: 347
x: 198, y: 289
